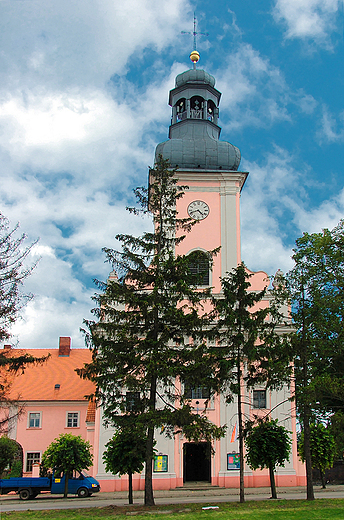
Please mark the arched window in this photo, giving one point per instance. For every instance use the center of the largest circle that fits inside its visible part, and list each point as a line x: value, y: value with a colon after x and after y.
x: 181, y: 109
x: 196, y: 104
x: 199, y: 268
x: 210, y: 110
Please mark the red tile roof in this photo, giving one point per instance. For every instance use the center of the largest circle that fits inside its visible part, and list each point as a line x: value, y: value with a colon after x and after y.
x: 37, y: 383
x: 91, y: 412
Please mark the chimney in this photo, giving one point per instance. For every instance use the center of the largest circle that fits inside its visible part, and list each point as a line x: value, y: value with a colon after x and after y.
x: 64, y: 346
x: 7, y: 347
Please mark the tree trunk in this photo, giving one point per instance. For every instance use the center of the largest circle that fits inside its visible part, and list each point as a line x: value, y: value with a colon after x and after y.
x: 272, y: 482
x: 66, y: 484
x: 305, y: 406
x: 322, y: 476
x: 130, y: 475
x: 307, y: 453
x: 241, y: 434
x: 149, y: 497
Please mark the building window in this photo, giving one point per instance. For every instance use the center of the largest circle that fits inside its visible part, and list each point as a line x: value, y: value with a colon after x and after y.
x: 197, y: 392
x: 132, y: 401
x: 259, y: 398
x: 72, y: 419
x: 32, y: 458
x: 34, y: 420
x: 199, y: 268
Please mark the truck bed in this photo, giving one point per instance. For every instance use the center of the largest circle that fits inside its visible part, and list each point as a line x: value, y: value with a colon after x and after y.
x: 15, y: 484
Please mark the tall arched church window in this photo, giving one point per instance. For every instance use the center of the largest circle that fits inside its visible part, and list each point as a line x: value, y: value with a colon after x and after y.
x: 199, y: 268
x: 181, y: 109
x: 197, y: 104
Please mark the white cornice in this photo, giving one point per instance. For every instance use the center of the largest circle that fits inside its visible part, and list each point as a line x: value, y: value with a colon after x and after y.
x: 225, y: 178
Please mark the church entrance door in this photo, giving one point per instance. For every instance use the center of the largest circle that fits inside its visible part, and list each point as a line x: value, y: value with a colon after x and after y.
x: 197, y: 462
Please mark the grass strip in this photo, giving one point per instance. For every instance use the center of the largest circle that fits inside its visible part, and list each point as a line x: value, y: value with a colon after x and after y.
x: 320, y: 509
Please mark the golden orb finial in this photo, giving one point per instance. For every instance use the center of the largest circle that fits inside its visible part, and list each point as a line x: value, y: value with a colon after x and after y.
x: 194, y: 57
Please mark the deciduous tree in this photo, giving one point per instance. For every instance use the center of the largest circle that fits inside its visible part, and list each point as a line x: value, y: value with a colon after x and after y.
x: 322, y: 446
x: 8, y: 451
x: 125, y: 453
x: 268, y: 445
x: 68, y: 453
x: 14, y: 269
x: 316, y: 292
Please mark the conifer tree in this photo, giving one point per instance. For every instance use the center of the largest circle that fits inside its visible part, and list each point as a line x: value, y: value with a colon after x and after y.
x: 147, y: 339
x: 248, y: 347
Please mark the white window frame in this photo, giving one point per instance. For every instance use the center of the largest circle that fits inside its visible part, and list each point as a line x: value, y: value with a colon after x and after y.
x: 34, y: 427
x: 78, y: 415
x: 34, y: 461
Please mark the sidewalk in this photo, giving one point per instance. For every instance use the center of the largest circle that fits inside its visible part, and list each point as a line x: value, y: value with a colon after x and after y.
x: 212, y: 491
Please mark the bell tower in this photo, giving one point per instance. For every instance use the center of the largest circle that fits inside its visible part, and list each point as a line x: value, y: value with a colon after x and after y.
x: 208, y: 166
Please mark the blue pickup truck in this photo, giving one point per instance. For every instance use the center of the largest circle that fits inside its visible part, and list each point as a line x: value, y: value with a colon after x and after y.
x: 79, y: 484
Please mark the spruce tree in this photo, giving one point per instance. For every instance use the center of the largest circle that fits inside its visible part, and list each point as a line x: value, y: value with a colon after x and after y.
x: 148, y: 336
x: 248, y: 347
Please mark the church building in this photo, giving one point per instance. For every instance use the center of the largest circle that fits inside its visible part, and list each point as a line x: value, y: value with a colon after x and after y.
x: 211, y: 169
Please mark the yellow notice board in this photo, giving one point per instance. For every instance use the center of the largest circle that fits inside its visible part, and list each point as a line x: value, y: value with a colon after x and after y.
x: 160, y: 463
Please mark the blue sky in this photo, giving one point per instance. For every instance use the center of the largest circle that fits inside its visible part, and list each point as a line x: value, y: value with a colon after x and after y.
x: 83, y: 103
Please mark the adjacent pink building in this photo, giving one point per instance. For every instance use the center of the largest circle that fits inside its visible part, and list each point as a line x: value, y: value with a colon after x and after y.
x: 53, y: 400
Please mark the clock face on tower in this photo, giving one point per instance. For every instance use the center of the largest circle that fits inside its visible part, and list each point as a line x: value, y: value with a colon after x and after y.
x: 198, y: 209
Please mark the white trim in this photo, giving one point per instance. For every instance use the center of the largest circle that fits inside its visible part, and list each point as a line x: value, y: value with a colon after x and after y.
x: 28, y: 420
x: 73, y: 412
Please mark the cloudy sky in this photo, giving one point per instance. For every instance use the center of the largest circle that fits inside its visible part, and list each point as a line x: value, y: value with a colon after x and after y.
x: 83, y: 103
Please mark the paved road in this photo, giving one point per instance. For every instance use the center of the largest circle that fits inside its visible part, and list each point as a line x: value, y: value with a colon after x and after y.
x: 180, y: 496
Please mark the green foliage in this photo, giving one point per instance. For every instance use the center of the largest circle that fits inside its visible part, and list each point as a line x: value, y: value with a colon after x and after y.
x: 126, y: 451
x: 67, y: 453
x: 322, y: 445
x: 16, y: 470
x: 245, y: 334
x: 267, y: 445
x: 316, y: 286
x: 337, y: 429
x: 315, y: 289
x: 8, y: 452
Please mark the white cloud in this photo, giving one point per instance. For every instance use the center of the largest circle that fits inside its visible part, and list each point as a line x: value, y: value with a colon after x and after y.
x: 276, y: 210
x: 307, y: 18
x: 73, y: 142
x: 331, y: 130
x: 82, y: 42
x: 256, y: 93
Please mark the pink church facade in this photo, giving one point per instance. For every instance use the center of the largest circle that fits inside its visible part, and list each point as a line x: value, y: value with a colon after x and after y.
x: 210, y: 168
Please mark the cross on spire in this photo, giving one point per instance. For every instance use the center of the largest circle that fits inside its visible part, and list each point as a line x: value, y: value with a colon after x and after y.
x: 194, y: 33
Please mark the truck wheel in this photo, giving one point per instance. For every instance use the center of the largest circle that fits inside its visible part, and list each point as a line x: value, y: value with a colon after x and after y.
x: 24, y: 494
x: 82, y: 492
